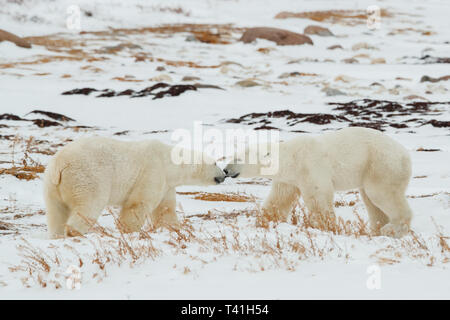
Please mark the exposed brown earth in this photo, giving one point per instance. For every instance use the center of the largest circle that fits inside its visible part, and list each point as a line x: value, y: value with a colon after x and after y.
x: 18, y: 41
x: 279, y: 36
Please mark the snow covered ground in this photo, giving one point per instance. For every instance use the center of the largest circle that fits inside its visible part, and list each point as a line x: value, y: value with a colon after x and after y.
x: 220, y: 253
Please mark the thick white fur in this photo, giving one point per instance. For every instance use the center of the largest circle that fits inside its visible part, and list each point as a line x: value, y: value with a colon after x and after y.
x: 345, y: 159
x: 87, y: 175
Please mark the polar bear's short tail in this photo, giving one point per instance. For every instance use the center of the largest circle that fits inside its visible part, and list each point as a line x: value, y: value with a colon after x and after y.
x: 53, y: 172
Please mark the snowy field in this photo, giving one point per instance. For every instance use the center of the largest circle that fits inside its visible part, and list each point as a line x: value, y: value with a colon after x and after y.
x: 124, y: 47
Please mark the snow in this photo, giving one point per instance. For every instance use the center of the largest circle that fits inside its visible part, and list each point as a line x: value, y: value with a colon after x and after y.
x: 201, y: 266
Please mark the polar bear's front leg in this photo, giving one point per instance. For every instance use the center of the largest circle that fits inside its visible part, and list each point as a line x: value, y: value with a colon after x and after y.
x: 165, y: 214
x: 280, y: 201
x: 319, y: 200
x: 132, y: 216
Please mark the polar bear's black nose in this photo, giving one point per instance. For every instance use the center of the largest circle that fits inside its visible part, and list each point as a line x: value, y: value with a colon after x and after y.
x: 226, y: 171
x: 219, y: 179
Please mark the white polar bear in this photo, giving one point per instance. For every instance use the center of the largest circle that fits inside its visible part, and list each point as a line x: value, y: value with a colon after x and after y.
x: 345, y: 159
x: 87, y: 175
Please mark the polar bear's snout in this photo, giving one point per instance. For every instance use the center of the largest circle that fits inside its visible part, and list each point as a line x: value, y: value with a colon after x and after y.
x: 219, y: 179
x: 232, y: 170
x: 220, y: 176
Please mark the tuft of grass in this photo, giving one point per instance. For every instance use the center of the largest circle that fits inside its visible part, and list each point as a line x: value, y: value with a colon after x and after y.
x: 228, y: 197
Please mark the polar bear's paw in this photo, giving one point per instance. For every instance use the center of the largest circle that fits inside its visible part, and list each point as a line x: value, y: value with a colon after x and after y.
x: 394, y: 230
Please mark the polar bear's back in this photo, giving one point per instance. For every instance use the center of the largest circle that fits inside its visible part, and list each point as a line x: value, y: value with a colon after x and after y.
x: 358, y: 151
x: 97, y: 164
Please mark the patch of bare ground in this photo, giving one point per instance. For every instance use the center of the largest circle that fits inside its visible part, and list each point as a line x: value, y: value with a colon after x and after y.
x: 42, y: 59
x: 347, y: 17
x: 369, y: 113
x: 207, y: 33
x: 176, y: 10
x: 429, y: 195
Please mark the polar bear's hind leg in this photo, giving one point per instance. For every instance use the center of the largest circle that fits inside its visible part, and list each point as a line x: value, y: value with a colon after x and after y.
x: 377, y: 218
x: 57, y: 215
x: 83, y: 217
x: 394, y: 204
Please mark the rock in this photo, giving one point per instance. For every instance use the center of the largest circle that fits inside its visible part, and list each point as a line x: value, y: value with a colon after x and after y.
x: 336, y: 46
x: 404, y: 79
x: 430, y: 79
x: 318, y: 30
x: 361, y: 56
x: 330, y: 92
x: 415, y: 97
x: 191, y: 38
x: 429, y: 59
x: 119, y: 47
x: 265, y: 50
x: 18, y: 41
x: 295, y: 74
x: 207, y: 86
x: 279, y: 36
x: 247, y: 83
x: 190, y: 78
x: 84, y: 91
x: 287, y: 75
x: 227, y: 63
x: 344, y: 78
x: 161, y: 78
x: 160, y: 68
x: 51, y: 115
x: 174, y: 91
x: 378, y: 61
x: 362, y: 45
x: 350, y: 60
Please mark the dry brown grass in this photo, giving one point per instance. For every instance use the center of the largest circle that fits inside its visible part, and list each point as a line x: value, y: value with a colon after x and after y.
x: 107, y: 248
x: 85, y: 48
x: 228, y: 197
x: 179, y: 63
x: 176, y: 10
x: 305, y: 220
x: 416, y: 247
x: 48, y: 59
x: 222, y: 33
x: 28, y: 168
x: 349, y: 17
x: 255, y: 249
x: 24, y: 172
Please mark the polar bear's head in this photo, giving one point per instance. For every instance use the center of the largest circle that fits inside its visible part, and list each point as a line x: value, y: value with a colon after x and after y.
x: 207, y: 173
x: 190, y: 167
x: 201, y: 174
x: 254, y: 161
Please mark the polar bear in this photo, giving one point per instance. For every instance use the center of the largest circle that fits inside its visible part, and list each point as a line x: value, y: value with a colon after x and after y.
x: 316, y: 167
x: 87, y: 175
